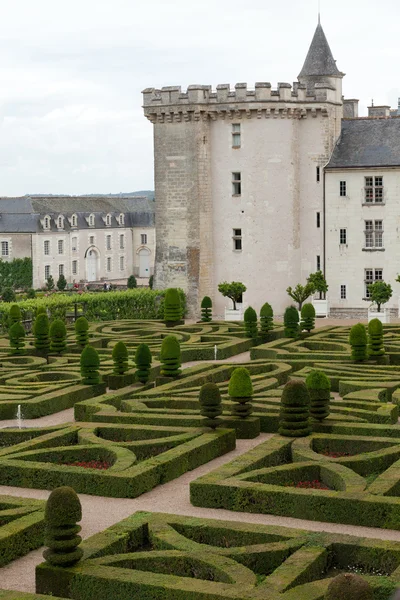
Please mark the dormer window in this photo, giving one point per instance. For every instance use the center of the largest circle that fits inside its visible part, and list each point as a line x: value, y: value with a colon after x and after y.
x: 46, y: 222
x: 74, y: 221
x: 108, y: 220
x: 121, y: 219
x: 60, y: 222
x: 91, y: 220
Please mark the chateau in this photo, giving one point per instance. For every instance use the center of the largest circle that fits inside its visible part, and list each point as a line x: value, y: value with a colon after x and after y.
x: 265, y: 186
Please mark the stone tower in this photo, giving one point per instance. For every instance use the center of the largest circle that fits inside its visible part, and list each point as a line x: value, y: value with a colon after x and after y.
x: 238, y: 181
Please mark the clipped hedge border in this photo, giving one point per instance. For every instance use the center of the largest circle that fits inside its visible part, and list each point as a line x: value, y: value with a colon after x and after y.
x: 23, y: 528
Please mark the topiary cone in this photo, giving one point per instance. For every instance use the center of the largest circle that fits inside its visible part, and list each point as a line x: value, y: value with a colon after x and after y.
x: 319, y: 388
x: 172, y: 306
x: 58, y: 336
x: 90, y: 363
x: 291, y: 322
x: 266, y: 319
x: 170, y: 356
x: 17, y: 338
x: 307, y: 317
x: 41, y: 329
x: 143, y: 359
x: 82, y: 331
x: 295, y: 410
x: 358, y: 342
x: 62, y: 513
x: 210, y: 401
x: 348, y: 586
x: 120, y: 358
x: 375, y: 338
x: 250, y: 322
x: 206, y: 309
x: 240, y: 391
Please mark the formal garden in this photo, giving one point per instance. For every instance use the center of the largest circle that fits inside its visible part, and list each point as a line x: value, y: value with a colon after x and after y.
x: 313, y: 415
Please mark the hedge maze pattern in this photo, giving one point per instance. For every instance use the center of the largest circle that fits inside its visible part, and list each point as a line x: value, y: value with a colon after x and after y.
x: 21, y: 527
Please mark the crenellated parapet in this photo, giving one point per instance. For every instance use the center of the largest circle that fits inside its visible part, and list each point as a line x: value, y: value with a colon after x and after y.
x: 199, y: 102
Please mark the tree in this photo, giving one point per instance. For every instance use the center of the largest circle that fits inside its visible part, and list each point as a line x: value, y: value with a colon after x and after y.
x: 14, y: 316
x: 300, y: 293
x: 318, y: 281
x: 61, y: 283
x: 307, y: 317
x: 8, y: 295
x: 240, y: 390
x: 172, y: 306
x: 151, y: 280
x: 250, y: 322
x: 58, y: 336
x: 291, y: 322
x: 295, y: 410
x: 319, y: 388
x: 266, y: 319
x: 50, y: 283
x: 206, y: 309
x: 131, y: 283
x: 120, y: 358
x: 17, y: 338
x: 41, y: 329
x: 62, y: 513
x: 233, y: 290
x: 82, y: 331
x: 170, y: 356
x: 349, y: 585
x: 380, y: 293
x: 375, y: 338
x: 90, y: 363
x: 210, y: 402
x: 358, y: 342
x: 143, y: 360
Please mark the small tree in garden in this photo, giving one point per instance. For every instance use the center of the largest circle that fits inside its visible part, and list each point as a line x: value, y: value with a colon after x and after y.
x: 375, y: 338
x: 250, y: 322
x: 318, y: 281
x: 240, y: 391
x: 291, y: 322
x: 307, y: 317
x: 295, y: 410
x: 143, y: 360
x: 90, y: 364
x: 349, y: 586
x: 58, y: 336
x: 17, y: 338
x: 14, y: 316
x: 300, y: 293
x: 61, y: 283
x: 120, y: 358
x: 170, y: 356
x: 8, y: 295
x: 210, y: 401
x: 358, y: 342
x: 233, y: 290
x: 82, y: 331
x: 151, y: 280
x: 380, y: 293
x: 206, y: 309
x: 319, y: 388
x: 266, y: 319
x: 131, y: 283
x: 63, y: 512
x: 172, y: 306
x: 41, y: 330
x: 50, y: 283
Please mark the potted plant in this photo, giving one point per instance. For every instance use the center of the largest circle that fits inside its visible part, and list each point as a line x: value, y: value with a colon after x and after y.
x: 320, y: 304
x: 379, y: 293
x: 234, y: 291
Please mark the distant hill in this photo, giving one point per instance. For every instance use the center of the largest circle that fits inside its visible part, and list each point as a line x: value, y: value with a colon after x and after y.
x: 148, y: 193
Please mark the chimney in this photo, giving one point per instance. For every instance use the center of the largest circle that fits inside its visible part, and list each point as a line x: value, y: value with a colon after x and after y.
x: 379, y: 111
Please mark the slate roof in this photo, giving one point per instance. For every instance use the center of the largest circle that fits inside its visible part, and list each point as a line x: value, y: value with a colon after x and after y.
x: 367, y: 143
x: 319, y: 60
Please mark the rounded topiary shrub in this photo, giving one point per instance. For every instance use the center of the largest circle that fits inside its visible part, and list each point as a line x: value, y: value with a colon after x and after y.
x: 82, y: 331
x: 240, y: 391
x: 210, y: 401
x: 206, y: 309
x: 295, y: 410
x: 17, y: 338
x: 58, y: 336
x: 63, y: 512
x: 375, y: 338
x: 172, y: 306
x: 307, y: 317
x: 266, y: 319
x: 14, y: 316
x: 170, y: 356
x: 90, y: 363
x: 319, y: 388
x: 143, y: 359
x: 358, y: 342
x: 349, y: 586
x: 291, y: 322
x: 41, y: 328
x: 131, y: 283
x: 250, y: 322
x: 120, y: 358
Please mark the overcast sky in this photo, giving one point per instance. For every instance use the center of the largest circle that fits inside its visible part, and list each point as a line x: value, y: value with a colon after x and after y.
x: 71, y: 74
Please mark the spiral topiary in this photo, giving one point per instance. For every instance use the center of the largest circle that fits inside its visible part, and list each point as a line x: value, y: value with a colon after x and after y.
x: 172, y: 306
x: 240, y: 391
x: 58, y: 336
x: 266, y: 319
x: 291, y: 322
x: 41, y: 330
x: 14, y: 316
x: 170, y: 356
x: 375, y: 338
x: 90, y: 363
x: 17, y: 338
x: 120, y: 358
x: 206, y: 309
x: 307, y: 317
x: 295, y: 410
x: 358, y: 342
x: 250, y: 322
x: 319, y: 388
x: 210, y: 401
x: 143, y: 360
x: 349, y: 586
x: 63, y: 512
x: 82, y: 331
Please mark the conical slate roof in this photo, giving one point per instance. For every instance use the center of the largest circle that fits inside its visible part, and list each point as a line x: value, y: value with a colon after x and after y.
x: 319, y: 59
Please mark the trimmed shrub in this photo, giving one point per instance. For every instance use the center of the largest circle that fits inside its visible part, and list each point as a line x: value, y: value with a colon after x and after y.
x: 319, y: 388
x: 266, y: 319
x: 14, y: 315
x: 143, y: 361
x: 63, y: 512
x: 210, y: 401
x: 172, y: 306
x: 358, y: 342
x: 120, y: 358
x: 17, y: 338
x: 58, y: 336
x: 131, y: 283
x: 295, y: 410
x: 30, y: 294
x: 348, y: 586
x: 250, y: 322
x: 375, y: 338
x: 90, y: 363
x: 82, y: 331
x: 50, y: 283
x: 170, y: 356
x: 206, y: 309
x: 61, y: 283
x: 240, y: 391
x: 8, y: 295
x: 291, y: 322
x: 151, y: 281
x: 41, y: 329
x: 307, y: 317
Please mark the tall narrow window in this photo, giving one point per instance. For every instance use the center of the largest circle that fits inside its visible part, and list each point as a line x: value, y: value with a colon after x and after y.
x: 318, y: 219
x: 237, y: 239
x: 47, y: 271
x: 108, y: 220
x: 236, y: 135
x: 318, y: 174
x: 342, y: 188
x: 121, y: 263
x: 60, y: 246
x: 74, y: 244
x: 143, y: 238
x: 91, y: 220
x: 4, y: 248
x: 74, y: 267
x: 236, y: 184
x: 109, y: 263
x: 74, y: 221
x: 61, y: 269
x: 108, y: 242
x: 46, y: 223
x: 121, y: 219
x: 343, y: 236
x: 60, y: 222
x: 46, y: 247
x: 121, y: 241
x: 318, y: 262
x: 343, y: 292
x: 91, y: 240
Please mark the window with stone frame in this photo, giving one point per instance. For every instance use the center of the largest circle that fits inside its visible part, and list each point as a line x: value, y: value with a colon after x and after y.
x: 373, y: 233
x: 342, y: 188
x: 74, y: 267
x: 74, y: 220
x: 373, y: 190
x: 343, y: 292
x: 370, y: 276
x: 108, y: 263
x: 108, y: 242
x: 121, y: 241
x: 236, y: 183
x: 60, y: 245
x: 47, y: 271
x: 60, y: 222
x: 74, y: 244
x: 121, y: 263
x: 91, y: 240
x: 46, y: 247
x: 236, y: 135
x: 5, y: 249
x: 143, y: 238
x: 343, y: 236
x: 318, y: 262
x: 237, y: 240
x: 318, y: 220
x: 61, y: 270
